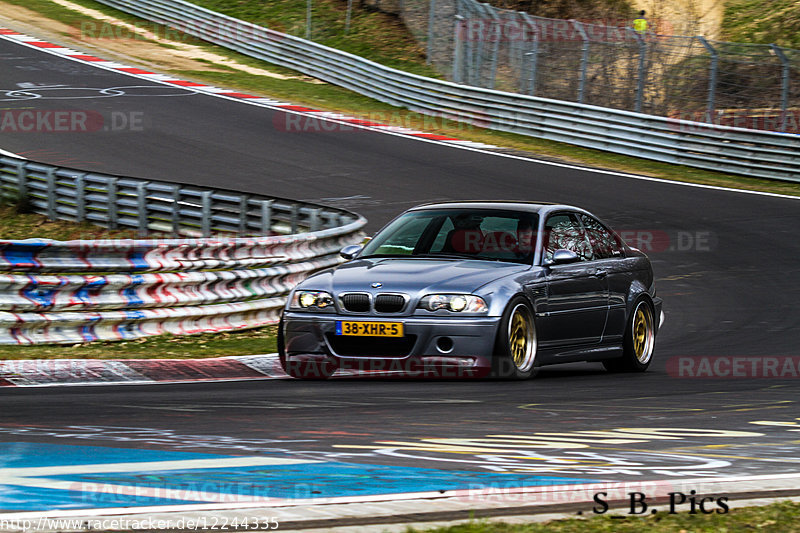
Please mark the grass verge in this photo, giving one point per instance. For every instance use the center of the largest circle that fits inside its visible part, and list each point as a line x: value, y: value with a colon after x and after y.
x: 762, y: 21
x: 780, y: 517
x: 17, y: 226
x: 248, y: 342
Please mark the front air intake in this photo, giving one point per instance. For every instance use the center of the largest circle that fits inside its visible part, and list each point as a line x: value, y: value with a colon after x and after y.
x: 356, y: 302
x: 389, y: 303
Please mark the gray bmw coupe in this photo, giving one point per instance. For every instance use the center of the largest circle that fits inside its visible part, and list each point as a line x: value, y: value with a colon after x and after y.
x: 475, y: 289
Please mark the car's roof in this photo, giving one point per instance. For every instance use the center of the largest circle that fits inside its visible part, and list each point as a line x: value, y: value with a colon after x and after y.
x: 514, y: 205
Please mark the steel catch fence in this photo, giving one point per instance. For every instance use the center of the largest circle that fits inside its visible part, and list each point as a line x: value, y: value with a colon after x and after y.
x: 607, y: 63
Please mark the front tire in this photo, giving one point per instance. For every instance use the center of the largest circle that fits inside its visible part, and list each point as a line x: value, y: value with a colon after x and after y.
x: 309, y: 370
x: 639, y: 340
x: 516, y: 345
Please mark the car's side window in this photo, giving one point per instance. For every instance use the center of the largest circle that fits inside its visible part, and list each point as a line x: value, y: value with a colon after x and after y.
x: 604, y: 243
x: 563, y: 231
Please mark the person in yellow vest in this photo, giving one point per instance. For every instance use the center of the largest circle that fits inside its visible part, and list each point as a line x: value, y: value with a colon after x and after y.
x: 640, y: 24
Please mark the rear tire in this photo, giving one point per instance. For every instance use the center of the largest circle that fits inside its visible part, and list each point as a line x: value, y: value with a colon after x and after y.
x: 516, y: 344
x: 309, y: 370
x: 638, y: 342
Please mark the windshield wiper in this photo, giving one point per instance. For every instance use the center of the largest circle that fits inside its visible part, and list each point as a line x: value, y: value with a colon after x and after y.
x: 449, y: 256
x: 383, y: 255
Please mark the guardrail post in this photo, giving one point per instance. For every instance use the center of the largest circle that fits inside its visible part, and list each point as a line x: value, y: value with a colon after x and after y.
x: 80, y: 198
x: 243, y: 204
x: 295, y: 216
x: 713, y: 73
x: 313, y: 223
x: 584, y: 60
x: 22, y: 181
x: 111, y: 190
x: 266, y: 217
x: 332, y: 220
x: 785, y: 77
x: 641, y: 70
x: 431, y: 27
x: 175, y: 214
x: 141, y: 209
x: 51, y: 193
x: 206, y: 213
x: 533, y: 54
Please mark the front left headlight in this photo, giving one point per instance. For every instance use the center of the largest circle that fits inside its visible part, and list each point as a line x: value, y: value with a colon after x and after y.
x: 312, y: 300
x: 457, y: 303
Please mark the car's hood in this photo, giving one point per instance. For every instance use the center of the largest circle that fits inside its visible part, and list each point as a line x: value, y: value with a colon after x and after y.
x: 419, y: 275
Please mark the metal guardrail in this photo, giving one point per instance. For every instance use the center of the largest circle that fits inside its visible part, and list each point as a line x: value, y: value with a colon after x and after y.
x: 80, y: 291
x: 156, y: 207
x: 711, y: 147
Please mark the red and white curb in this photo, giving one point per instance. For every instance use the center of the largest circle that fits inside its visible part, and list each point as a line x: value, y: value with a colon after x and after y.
x: 319, y: 114
x: 74, y: 372
x: 59, y: 372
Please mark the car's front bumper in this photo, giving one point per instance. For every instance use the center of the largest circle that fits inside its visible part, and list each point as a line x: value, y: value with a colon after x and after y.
x: 460, y: 342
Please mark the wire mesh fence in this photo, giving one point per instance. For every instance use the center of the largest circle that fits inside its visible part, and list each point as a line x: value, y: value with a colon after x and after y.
x: 610, y: 65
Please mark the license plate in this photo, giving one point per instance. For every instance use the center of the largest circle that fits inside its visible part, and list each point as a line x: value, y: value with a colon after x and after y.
x: 369, y: 329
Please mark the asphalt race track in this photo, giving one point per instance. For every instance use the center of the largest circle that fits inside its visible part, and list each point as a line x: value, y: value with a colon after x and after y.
x: 726, y: 265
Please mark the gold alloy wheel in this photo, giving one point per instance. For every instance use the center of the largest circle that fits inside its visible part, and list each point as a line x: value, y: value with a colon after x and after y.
x: 522, y: 338
x: 642, y: 332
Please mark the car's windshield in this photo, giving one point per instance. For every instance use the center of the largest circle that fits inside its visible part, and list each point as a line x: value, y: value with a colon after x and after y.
x: 493, y: 235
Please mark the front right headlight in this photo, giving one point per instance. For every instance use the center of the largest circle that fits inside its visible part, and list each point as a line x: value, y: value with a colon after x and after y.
x: 457, y: 303
x: 311, y: 300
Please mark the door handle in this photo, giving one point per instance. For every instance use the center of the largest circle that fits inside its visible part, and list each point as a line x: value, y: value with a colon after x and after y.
x: 600, y: 273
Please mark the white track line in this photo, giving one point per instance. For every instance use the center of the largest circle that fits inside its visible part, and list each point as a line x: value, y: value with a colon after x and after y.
x: 549, y: 494
x: 9, y: 154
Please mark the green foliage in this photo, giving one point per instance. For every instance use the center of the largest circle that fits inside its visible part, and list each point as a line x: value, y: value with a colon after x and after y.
x: 374, y: 35
x: 19, y: 222
x: 763, y: 21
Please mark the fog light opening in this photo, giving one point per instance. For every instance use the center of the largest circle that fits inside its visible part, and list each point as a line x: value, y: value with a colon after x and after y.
x: 444, y: 344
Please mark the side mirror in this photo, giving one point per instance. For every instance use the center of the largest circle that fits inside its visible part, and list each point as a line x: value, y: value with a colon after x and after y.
x: 563, y: 257
x: 349, y: 252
